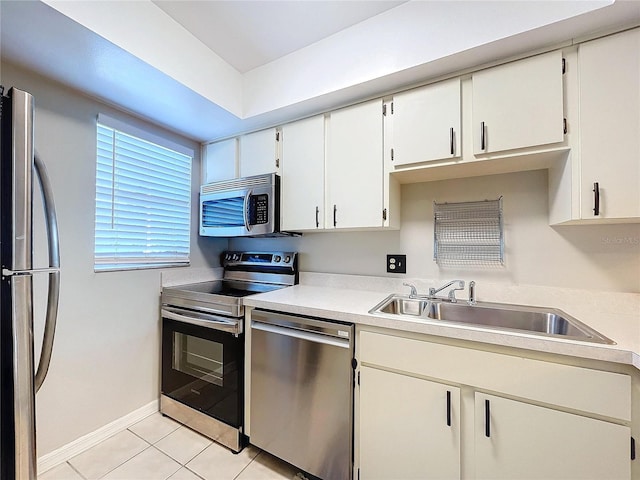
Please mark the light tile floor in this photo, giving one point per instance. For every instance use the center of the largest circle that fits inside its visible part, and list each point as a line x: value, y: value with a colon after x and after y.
x: 158, y: 448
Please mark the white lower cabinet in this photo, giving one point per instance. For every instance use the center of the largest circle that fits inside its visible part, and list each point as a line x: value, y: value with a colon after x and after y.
x: 409, y: 427
x: 435, y: 411
x: 516, y: 440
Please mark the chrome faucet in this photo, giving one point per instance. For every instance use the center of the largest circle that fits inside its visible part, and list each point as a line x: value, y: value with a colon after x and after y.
x: 414, y: 292
x: 452, y: 292
x: 472, y: 293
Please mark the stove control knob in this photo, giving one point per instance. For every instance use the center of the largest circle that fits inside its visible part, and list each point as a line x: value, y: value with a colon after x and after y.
x: 277, y: 258
x: 287, y: 259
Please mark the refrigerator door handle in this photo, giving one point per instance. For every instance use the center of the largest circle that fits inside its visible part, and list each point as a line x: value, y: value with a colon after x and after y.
x: 53, y: 270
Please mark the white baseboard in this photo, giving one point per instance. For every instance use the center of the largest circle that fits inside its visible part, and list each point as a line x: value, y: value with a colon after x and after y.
x: 64, y: 453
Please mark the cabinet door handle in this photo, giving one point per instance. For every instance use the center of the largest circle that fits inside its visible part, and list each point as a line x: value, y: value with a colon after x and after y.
x: 448, y: 408
x: 487, y: 419
x: 596, y: 199
x: 317, y: 217
x: 451, y: 145
x: 483, y: 140
x: 335, y: 209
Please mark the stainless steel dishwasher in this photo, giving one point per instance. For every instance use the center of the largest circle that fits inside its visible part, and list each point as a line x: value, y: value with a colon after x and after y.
x: 302, y: 392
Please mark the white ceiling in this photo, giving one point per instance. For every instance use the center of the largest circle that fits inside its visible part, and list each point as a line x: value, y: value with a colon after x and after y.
x: 248, y: 34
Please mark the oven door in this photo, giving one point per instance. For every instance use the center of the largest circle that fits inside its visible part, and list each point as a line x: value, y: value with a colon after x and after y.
x: 202, y: 367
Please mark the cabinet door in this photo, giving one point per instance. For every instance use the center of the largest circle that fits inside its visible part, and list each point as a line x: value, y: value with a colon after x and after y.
x: 609, y: 70
x: 354, y: 167
x: 302, y: 183
x: 408, y: 428
x: 258, y: 153
x: 530, y: 442
x: 518, y: 105
x: 426, y: 123
x: 220, y: 161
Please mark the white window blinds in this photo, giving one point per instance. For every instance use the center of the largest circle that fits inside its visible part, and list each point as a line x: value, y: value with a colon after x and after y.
x: 143, y: 203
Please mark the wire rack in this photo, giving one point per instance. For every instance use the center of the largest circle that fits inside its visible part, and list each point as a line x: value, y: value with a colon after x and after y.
x: 468, y: 233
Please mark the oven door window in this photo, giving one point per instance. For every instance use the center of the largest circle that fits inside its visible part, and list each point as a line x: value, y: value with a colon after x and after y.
x: 203, y: 369
x: 198, y: 357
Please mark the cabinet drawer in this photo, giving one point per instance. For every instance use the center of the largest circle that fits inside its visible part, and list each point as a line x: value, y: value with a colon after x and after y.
x: 594, y: 391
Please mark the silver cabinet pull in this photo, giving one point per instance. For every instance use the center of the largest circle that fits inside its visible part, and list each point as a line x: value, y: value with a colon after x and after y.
x: 483, y: 140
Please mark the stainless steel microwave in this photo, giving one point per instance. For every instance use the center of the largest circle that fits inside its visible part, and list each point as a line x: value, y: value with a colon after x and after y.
x: 241, y: 207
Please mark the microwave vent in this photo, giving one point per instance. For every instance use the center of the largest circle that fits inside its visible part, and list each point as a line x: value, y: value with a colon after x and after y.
x: 238, y: 183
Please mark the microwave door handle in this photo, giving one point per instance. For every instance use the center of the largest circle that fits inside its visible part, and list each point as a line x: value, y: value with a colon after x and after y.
x: 245, y: 210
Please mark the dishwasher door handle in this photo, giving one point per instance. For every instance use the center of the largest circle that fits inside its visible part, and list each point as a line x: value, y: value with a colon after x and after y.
x: 301, y: 334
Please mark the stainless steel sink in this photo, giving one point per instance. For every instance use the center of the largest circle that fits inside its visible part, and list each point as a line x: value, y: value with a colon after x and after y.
x: 535, y: 320
x: 405, y: 306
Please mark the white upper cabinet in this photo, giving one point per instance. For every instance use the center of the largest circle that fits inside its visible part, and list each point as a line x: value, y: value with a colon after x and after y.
x: 609, y: 71
x: 354, y: 167
x: 302, y: 171
x: 518, y: 105
x: 426, y: 123
x: 220, y: 161
x: 258, y: 153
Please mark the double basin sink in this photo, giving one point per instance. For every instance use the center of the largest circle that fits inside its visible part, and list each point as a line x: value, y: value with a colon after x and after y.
x: 533, y: 320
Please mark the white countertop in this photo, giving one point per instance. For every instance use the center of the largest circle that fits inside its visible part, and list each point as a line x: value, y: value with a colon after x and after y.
x: 349, y: 298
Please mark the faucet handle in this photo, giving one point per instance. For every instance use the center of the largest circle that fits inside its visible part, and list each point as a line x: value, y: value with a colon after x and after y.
x: 472, y: 293
x: 414, y: 292
x: 452, y: 292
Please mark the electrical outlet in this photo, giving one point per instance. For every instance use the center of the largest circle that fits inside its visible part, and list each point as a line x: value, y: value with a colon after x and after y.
x: 397, y: 263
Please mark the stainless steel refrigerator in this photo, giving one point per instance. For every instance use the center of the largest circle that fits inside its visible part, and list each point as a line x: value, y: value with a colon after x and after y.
x: 19, y: 381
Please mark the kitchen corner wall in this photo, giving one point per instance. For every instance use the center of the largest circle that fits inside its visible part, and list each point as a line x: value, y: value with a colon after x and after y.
x: 591, y: 257
x: 106, y: 355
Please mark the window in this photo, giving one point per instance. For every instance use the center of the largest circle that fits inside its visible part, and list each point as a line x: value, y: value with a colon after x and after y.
x: 143, y: 200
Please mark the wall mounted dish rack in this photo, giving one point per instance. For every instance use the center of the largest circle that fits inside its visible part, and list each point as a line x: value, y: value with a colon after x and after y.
x: 468, y: 233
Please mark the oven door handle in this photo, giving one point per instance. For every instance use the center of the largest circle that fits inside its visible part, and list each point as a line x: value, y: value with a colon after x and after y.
x: 202, y: 320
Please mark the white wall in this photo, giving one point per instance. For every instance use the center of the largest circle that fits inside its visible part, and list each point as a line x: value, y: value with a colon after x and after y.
x: 604, y: 257
x: 106, y: 354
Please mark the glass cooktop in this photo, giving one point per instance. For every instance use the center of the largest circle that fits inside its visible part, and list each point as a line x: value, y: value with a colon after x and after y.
x: 229, y: 288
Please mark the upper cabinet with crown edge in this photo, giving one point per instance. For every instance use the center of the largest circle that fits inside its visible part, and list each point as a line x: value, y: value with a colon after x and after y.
x: 506, y: 118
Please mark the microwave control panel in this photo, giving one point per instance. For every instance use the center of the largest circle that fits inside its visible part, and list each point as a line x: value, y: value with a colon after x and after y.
x: 259, y: 209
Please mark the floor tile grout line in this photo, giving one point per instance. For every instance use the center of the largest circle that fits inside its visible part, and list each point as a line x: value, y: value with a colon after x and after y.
x: 199, y: 476
x: 130, y: 458
x: 76, y: 470
x: 247, y: 465
x: 197, y: 454
x: 164, y: 436
x: 155, y: 444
